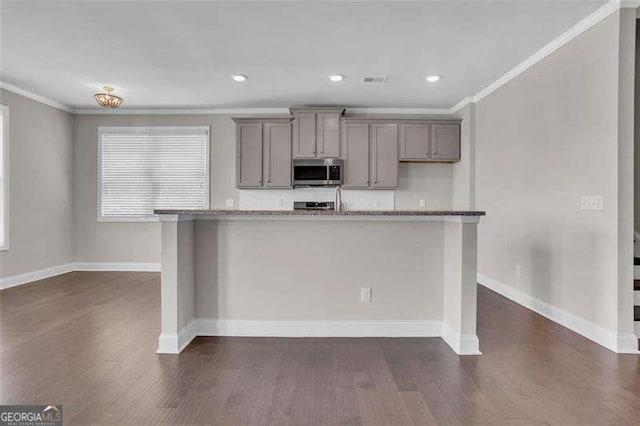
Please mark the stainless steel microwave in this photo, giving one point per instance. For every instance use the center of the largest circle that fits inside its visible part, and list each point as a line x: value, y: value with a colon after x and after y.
x: 318, y: 172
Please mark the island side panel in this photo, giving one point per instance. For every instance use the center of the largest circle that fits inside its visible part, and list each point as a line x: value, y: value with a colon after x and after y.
x: 460, y: 287
x: 177, y: 285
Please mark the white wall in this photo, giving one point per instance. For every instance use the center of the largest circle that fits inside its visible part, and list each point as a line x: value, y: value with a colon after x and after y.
x: 41, y: 168
x: 542, y: 140
x: 140, y: 242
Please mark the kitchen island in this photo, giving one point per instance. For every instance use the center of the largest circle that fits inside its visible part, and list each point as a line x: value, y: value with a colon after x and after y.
x: 319, y: 273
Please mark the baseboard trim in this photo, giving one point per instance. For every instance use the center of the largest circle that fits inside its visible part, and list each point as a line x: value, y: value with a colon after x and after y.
x: 53, y: 271
x: 116, y: 267
x: 465, y: 344
x: 258, y: 328
x: 610, y: 340
x: 174, y: 343
x: 41, y: 274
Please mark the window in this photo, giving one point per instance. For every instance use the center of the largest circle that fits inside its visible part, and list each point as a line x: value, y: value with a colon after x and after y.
x: 4, y: 178
x: 147, y: 168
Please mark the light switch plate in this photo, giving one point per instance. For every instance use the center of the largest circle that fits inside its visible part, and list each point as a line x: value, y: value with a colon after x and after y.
x: 423, y: 203
x: 365, y: 294
x: 591, y: 202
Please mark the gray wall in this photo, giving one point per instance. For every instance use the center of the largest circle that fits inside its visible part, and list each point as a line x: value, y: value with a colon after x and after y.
x: 544, y: 139
x: 637, y: 134
x: 140, y: 242
x: 41, y: 168
x: 239, y: 273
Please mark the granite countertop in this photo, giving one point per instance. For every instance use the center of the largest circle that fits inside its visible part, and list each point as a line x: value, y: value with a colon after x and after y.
x: 321, y: 212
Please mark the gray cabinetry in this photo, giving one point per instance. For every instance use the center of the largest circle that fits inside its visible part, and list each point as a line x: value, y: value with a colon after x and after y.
x: 316, y: 132
x: 414, y: 141
x: 384, y: 155
x: 445, y: 141
x: 304, y: 135
x: 355, y: 147
x: 328, y: 134
x: 276, y: 168
x: 248, y: 155
x: 370, y: 152
x: 263, y: 153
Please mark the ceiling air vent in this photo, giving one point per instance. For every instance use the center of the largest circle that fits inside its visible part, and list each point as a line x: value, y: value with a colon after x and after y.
x: 382, y: 79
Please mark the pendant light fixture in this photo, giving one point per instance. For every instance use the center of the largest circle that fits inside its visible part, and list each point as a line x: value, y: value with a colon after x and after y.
x: 108, y: 100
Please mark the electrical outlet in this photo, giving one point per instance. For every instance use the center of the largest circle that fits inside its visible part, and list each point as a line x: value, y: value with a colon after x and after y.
x: 280, y: 203
x: 591, y: 202
x: 228, y: 202
x: 518, y: 270
x: 365, y: 294
x: 423, y: 203
x: 376, y: 204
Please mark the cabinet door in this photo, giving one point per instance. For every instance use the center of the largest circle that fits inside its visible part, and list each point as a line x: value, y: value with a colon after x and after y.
x: 355, y: 145
x: 414, y: 141
x: 445, y: 142
x: 328, y: 134
x: 304, y: 135
x: 249, y: 155
x: 384, y: 155
x: 277, y: 155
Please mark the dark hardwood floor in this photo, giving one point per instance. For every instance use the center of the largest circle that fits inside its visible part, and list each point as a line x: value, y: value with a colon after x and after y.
x: 87, y: 341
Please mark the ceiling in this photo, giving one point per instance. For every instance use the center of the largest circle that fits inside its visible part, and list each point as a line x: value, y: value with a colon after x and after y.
x: 181, y: 54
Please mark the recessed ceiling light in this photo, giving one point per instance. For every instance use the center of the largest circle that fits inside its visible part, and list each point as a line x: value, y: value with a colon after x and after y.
x: 336, y: 77
x: 433, y: 78
x: 239, y: 77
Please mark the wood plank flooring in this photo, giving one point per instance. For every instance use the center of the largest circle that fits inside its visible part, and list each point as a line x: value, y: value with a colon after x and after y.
x: 87, y: 340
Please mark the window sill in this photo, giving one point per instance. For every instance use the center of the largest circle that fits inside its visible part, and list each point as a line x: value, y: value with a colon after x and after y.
x: 125, y: 219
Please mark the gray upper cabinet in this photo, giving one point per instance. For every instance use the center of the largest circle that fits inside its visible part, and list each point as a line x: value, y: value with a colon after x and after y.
x: 304, y: 135
x: 355, y: 147
x: 328, y: 135
x: 414, y: 141
x: 277, y: 155
x: 445, y: 141
x: 249, y: 155
x: 316, y: 132
x: 384, y: 155
x: 263, y: 153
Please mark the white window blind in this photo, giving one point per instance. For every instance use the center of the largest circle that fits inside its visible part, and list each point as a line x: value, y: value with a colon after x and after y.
x: 147, y: 168
x: 4, y: 177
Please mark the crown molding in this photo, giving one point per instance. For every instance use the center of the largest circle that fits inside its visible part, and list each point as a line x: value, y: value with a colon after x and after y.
x: 190, y: 111
x: 411, y: 111
x: 35, y: 97
x: 579, y: 28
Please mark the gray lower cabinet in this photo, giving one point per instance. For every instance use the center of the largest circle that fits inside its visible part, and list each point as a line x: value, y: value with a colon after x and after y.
x: 414, y: 141
x: 249, y: 155
x: 276, y: 168
x: 316, y: 132
x: 445, y: 141
x: 355, y: 147
x: 384, y: 155
x: 263, y: 153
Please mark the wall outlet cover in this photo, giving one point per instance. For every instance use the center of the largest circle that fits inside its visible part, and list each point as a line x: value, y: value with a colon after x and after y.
x: 228, y: 202
x: 423, y: 203
x: 591, y: 202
